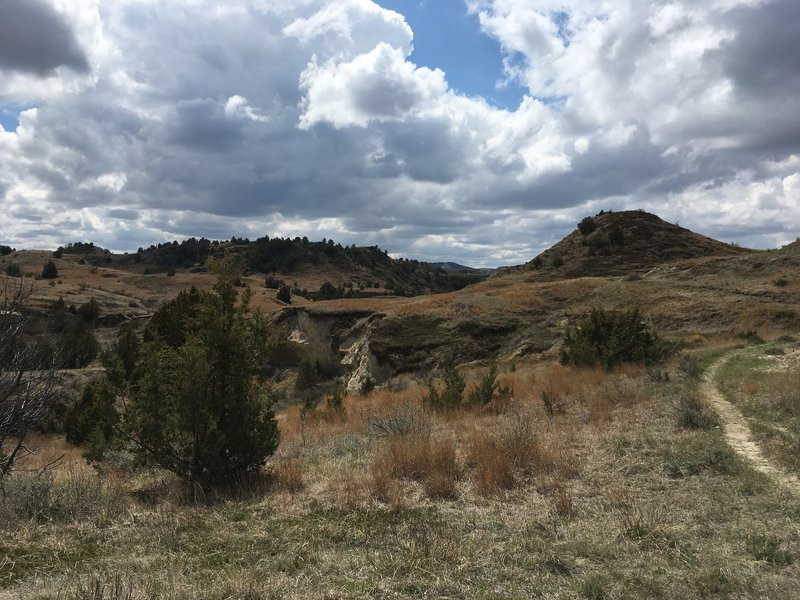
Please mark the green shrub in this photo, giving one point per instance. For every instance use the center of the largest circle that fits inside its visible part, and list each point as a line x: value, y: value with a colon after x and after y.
x: 90, y: 312
x: 49, y: 271
x: 609, y: 338
x: 196, y: 408
x: 781, y: 282
x: 690, y: 367
x: 91, y: 420
x: 587, y: 225
x: 616, y: 236
x: 485, y: 391
x: 452, y: 390
x: 284, y: 294
x: 335, y: 400
x: 307, y: 375
x: 13, y: 270
x: 77, y: 345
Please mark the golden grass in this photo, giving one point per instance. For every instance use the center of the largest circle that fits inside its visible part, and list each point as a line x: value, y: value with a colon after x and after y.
x: 288, y: 475
x: 587, y: 502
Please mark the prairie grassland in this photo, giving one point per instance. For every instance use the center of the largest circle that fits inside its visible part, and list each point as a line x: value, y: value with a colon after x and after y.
x: 598, y: 493
x: 764, y: 382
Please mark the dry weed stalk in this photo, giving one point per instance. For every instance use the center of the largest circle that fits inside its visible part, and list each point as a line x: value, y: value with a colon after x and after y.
x: 288, y: 476
x: 429, y: 461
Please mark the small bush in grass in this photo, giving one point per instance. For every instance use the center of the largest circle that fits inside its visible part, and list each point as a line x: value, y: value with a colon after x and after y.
x: 518, y: 439
x: 610, y: 338
x: 563, y: 502
x: 431, y: 462
x: 769, y: 549
x: 284, y: 294
x: 406, y: 419
x: 287, y: 476
x: 382, y: 486
x: 750, y: 336
x: 39, y: 496
x: 485, y: 391
x: 449, y: 395
x: 552, y: 402
x: 50, y: 271
x: 690, y: 367
x: 13, y: 270
x: 440, y: 480
x: 494, y: 470
x: 694, y: 412
x: 781, y: 282
x: 587, y: 225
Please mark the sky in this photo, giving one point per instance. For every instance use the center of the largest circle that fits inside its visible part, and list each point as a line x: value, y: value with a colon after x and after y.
x: 473, y: 131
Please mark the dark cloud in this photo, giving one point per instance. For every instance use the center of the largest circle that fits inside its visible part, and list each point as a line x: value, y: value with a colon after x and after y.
x: 762, y: 58
x: 123, y: 213
x: 426, y: 150
x: 203, y: 125
x: 34, y: 39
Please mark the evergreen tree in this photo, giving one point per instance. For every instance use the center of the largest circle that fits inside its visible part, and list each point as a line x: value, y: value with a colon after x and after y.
x: 197, y: 409
x: 49, y: 271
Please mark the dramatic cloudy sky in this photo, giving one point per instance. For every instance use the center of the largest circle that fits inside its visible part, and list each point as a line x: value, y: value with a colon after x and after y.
x: 478, y: 131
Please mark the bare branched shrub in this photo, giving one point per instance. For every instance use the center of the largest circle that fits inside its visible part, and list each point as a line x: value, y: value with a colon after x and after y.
x: 42, y: 497
x: 406, y: 419
x: 517, y: 438
x: 27, y: 375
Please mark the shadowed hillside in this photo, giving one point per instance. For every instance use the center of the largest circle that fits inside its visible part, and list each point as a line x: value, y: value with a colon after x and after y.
x: 619, y: 243
x: 299, y: 263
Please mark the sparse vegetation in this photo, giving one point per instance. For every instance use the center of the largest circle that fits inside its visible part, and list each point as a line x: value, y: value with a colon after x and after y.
x: 487, y: 388
x: 608, y: 338
x: 694, y: 413
x: 13, y: 270
x: 450, y: 393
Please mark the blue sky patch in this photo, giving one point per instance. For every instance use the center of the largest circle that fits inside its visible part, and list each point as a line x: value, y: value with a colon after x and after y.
x: 448, y: 38
x: 9, y: 116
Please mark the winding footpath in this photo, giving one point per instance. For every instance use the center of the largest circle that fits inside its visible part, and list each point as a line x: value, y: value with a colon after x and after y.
x: 737, y: 431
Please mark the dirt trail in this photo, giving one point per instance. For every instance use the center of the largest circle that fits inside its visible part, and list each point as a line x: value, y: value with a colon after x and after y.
x: 737, y: 431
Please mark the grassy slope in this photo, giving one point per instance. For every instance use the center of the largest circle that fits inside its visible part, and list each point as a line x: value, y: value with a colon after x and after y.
x: 763, y: 381
x: 608, y: 499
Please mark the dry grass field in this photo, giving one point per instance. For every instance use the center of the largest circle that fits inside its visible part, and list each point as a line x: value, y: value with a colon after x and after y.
x: 605, y: 495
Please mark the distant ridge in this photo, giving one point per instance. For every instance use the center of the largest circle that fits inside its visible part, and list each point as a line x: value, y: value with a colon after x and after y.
x: 451, y: 267
x: 358, y: 271
x: 619, y: 243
